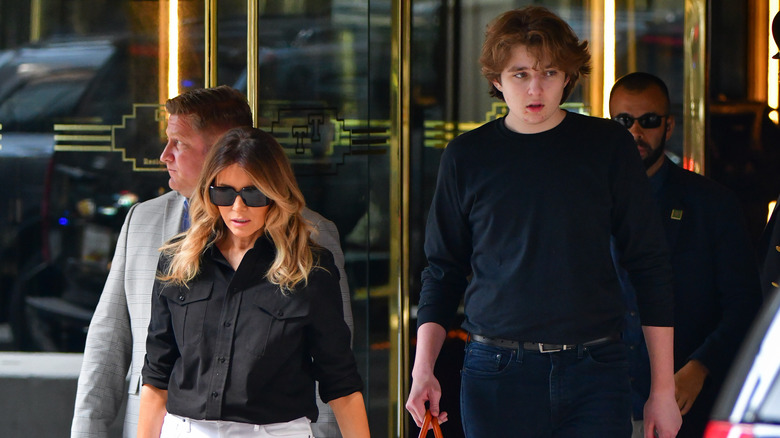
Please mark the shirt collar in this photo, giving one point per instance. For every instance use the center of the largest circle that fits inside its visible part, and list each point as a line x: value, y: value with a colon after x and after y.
x: 263, y: 246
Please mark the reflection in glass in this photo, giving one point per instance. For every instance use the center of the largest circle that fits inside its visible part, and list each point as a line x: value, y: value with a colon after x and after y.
x: 323, y: 82
x: 79, y: 109
x: 649, y: 38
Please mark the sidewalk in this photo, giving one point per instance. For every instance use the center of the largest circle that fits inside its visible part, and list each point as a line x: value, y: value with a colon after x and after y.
x: 38, y: 394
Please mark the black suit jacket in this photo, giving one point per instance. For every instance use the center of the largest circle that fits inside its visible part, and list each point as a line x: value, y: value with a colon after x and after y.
x: 716, y: 280
x: 717, y: 291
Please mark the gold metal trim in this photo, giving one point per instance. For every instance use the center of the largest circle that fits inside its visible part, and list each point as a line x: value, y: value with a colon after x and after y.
x: 36, y: 20
x: 210, y: 43
x: 399, y: 332
x: 695, y: 85
x: 162, y: 52
x: 83, y: 148
x: 84, y: 138
x: 62, y: 127
x: 757, y: 60
x: 107, y: 141
x: 252, y: 56
x: 596, y: 44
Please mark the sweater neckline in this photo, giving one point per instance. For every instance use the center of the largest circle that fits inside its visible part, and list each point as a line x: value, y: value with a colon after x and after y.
x: 556, y: 130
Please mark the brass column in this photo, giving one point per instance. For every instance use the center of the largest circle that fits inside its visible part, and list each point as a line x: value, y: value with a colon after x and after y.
x: 252, y: 50
x: 210, y: 43
x: 695, y: 86
x: 399, y: 330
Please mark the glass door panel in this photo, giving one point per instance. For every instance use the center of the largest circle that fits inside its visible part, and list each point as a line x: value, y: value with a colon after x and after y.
x: 323, y: 85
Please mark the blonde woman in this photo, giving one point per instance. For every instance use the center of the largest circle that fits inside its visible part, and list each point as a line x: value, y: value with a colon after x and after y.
x: 246, y: 310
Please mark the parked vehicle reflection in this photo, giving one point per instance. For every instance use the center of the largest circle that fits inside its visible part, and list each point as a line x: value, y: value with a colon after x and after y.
x: 63, y: 207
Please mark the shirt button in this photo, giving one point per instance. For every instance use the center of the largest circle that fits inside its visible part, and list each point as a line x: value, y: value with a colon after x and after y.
x: 632, y: 313
x: 280, y: 313
x: 227, y: 323
x: 181, y: 297
x: 221, y: 360
x: 215, y: 394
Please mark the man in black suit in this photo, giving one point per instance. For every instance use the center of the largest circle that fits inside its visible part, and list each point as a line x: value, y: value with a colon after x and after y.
x: 717, y: 290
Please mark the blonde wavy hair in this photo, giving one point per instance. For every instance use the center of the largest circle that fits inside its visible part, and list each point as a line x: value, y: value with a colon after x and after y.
x: 264, y: 160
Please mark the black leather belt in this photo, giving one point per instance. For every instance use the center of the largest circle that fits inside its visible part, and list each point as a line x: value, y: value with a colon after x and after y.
x: 539, y: 346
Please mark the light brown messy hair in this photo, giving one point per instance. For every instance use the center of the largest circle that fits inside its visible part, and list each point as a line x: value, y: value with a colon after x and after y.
x: 546, y: 37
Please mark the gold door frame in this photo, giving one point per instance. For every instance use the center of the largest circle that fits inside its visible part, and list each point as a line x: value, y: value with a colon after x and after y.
x: 400, y: 152
x: 695, y: 84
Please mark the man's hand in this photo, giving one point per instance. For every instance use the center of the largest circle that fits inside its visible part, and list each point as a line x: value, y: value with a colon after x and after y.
x: 425, y: 388
x: 688, y: 382
x: 662, y: 417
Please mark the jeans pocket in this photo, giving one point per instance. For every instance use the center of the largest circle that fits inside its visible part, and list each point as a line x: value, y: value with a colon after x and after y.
x: 484, y: 360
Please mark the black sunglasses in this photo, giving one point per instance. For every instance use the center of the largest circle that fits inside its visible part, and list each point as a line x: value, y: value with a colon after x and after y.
x: 226, y: 196
x: 647, y: 121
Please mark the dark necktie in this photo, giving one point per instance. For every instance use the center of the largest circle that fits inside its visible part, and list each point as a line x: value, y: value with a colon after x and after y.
x: 185, y: 217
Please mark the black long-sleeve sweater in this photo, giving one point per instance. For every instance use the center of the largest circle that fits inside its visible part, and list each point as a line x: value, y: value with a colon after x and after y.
x: 521, y: 224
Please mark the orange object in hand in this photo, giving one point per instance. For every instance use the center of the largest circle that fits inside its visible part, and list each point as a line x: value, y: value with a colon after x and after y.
x: 428, y: 420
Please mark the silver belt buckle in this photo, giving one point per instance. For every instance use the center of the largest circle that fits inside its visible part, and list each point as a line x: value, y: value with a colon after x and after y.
x: 550, y: 350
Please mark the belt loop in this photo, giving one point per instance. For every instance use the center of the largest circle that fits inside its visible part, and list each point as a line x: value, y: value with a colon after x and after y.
x: 520, y: 353
x: 581, y: 350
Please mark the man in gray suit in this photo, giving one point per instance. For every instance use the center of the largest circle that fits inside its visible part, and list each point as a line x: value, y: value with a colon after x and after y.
x: 116, y: 341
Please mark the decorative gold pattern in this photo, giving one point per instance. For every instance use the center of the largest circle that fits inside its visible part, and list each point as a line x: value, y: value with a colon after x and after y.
x: 322, y: 136
x: 117, y: 138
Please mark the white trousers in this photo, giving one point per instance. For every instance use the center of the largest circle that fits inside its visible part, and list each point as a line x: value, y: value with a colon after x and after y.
x: 639, y: 429
x: 181, y: 427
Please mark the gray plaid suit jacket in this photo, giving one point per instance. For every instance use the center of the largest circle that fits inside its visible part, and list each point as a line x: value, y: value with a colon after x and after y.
x: 116, y: 341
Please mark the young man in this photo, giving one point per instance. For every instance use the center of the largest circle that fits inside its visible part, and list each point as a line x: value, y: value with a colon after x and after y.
x: 717, y: 291
x: 526, y: 206
x: 116, y: 341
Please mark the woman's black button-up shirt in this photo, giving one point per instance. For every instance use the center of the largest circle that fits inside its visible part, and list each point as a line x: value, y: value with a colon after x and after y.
x: 234, y: 347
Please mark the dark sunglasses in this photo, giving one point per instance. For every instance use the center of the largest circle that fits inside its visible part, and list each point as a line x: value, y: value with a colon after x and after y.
x: 226, y: 196
x: 647, y: 121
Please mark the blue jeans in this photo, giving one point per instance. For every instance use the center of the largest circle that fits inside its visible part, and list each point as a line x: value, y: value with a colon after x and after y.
x: 580, y: 393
